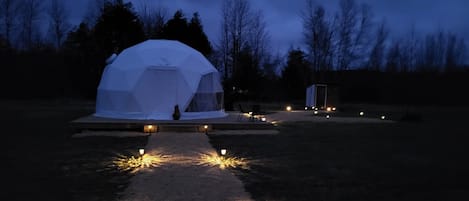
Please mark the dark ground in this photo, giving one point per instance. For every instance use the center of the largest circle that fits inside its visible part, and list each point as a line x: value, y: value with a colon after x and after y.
x: 402, y: 161
x: 424, y: 160
x: 41, y: 162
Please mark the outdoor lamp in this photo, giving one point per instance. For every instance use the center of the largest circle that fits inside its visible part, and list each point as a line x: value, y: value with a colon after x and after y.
x: 141, y: 151
x: 333, y: 108
x: 328, y: 109
x: 263, y: 119
x: 327, y: 116
x: 223, y: 152
x: 362, y: 113
x: 315, y: 112
x: 383, y: 117
x: 149, y: 128
x: 288, y: 108
x: 306, y: 108
x: 206, y: 129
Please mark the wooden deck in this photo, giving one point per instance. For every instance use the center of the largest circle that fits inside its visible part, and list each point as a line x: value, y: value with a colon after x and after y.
x: 233, y: 121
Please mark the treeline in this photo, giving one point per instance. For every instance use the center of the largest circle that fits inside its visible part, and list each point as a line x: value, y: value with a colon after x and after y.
x: 345, y: 48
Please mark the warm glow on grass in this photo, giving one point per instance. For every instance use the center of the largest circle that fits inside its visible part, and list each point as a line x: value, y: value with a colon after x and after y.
x: 135, y: 164
x: 213, y: 159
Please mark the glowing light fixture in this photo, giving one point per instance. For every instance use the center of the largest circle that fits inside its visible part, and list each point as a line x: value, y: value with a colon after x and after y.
x: 288, y: 108
x: 149, y: 128
x: 315, y: 112
x: 333, y: 108
x: 306, y: 108
x: 362, y: 113
x: 383, y: 117
x: 263, y: 119
x: 328, y: 109
x: 141, y: 151
x: 315, y: 108
x: 327, y: 116
x: 205, y: 128
x: 250, y: 113
x: 223, y: 152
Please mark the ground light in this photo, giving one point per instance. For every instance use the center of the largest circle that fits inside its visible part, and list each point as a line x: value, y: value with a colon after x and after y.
x: 306, y: 108
x: 334, y: 109
x: 315, y: 112
x: 328, y: 109
x: 141, y: 152
x: 149, y: 128
x: 327, y: 116
x: 288, y: 108
x: 223, y: 152
x: 383, y: 117
x: 361, y: 113
x: 263, y: 119
x: 206, y: 129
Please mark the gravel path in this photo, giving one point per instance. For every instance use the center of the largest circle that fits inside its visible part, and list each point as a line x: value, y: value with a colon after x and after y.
x: 181, y: 178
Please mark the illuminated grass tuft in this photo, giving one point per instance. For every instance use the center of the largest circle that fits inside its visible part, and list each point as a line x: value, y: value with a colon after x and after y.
x: 223, y: 162
x: 135, y: 164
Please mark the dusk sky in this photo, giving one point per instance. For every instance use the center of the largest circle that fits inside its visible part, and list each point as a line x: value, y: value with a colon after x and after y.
x: 285, y: 26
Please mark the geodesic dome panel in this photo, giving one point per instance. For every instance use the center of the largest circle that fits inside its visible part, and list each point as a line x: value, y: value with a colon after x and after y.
x: 147, y: 80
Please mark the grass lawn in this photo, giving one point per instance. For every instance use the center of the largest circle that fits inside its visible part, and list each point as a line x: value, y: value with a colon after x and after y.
x: 41, y: 162
x: 306, y: 161
x: 330, y: 161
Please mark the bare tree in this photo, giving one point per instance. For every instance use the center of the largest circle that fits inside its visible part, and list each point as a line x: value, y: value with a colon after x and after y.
x: 8, y: 13
x: 318, y: 35
x: 455, y: 49
x: 258, y: 38
x: 30, y: 11
x: 393, y: 58
x: 153, y: 18
x: 59, y: 24
x: 241, y: 29
x: 376, y: 58
x: 353, y: 26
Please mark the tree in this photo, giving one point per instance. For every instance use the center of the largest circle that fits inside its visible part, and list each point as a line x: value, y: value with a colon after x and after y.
x: 58, y: 22
x: 377, y: 53
x: 94, y: 11
x: 318, y: 36
x: 153, y: 19
x: 8, y: 13
x: 296, y: 75
x: 393, y: 58
x: 353, y: 26
x: 176, y: 28
x: 29, y: 17
x: 196, y: 36
x: 241, y: 28
x: 117, y: 28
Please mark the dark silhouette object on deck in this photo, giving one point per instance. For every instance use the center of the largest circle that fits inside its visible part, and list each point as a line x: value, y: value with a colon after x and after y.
x: 177, y: 113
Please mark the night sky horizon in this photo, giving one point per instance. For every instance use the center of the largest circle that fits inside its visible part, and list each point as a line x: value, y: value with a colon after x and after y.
x: 427, y: 16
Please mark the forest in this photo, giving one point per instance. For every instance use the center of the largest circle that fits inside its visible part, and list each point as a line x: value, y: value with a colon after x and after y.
x: 350, y: 48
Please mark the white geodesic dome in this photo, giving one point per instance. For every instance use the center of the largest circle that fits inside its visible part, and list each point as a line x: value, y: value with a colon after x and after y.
x: 147, y: 80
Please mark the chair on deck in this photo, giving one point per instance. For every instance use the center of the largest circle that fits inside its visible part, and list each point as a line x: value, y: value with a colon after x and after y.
x: 242, y: 112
